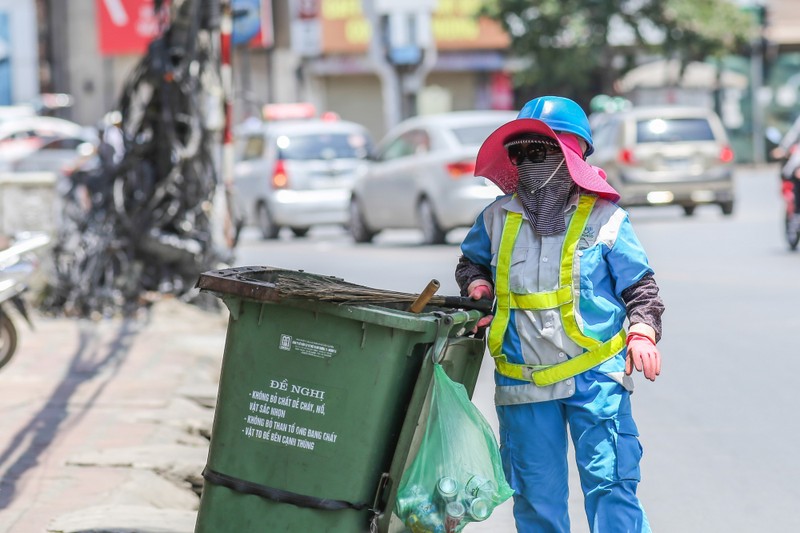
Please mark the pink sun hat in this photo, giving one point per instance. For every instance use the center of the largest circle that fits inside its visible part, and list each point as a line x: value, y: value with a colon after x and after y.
x: 493, y: 162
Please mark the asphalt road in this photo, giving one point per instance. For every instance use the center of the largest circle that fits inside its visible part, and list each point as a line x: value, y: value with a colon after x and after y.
x: 719, y: 426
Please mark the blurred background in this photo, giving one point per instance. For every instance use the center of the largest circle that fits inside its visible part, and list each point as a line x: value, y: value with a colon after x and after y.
x: 144, y: 142
x: 740, y: 57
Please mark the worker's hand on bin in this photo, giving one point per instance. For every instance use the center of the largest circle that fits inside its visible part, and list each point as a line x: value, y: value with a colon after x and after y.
x: 481, y: 289
x: 642, y: 355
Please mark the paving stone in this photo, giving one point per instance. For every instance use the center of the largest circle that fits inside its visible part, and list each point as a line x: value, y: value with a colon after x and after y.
x: 107, y: 423
x: 183, y: 414
x: 124, y: 519
x: 146, y: 488
x: 203, y: 394
x: 161, y: 458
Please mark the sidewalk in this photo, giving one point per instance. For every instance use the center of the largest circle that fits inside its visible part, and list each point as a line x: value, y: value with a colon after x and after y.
x: 105, y: 425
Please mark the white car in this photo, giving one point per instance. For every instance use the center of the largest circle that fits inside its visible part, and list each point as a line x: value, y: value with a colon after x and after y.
x: 46, y: 144
x: 298, y: 173
x: 422, y: 176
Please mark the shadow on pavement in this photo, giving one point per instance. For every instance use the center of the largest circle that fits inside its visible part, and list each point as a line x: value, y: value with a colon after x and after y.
x: 85, y: 364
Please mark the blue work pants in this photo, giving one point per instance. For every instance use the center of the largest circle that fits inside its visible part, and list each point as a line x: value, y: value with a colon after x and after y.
x: 533, y: 445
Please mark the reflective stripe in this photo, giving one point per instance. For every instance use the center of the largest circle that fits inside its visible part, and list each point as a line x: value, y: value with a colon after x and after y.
x: 574, y: 232
x: 542, y: 300
x: 597, y: 351
x: 580, y: 363
x: 502, y: 292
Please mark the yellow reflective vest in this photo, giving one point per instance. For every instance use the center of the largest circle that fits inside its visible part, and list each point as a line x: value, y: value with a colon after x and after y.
x: 565, y: 298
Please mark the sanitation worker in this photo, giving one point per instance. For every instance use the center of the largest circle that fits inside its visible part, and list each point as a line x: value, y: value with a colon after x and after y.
x: 567, y: 270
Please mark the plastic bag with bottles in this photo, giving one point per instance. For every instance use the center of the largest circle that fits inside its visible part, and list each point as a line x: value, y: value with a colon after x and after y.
x: 457, y: 476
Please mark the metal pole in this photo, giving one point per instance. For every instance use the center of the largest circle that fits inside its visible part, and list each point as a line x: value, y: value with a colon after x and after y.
x: 390, y: 81
x: 414, y: 81
x: 757, y: 81
x: 226, y: 75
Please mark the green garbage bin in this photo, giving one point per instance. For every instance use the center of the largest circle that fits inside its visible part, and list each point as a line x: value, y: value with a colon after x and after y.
x: 320, y: 405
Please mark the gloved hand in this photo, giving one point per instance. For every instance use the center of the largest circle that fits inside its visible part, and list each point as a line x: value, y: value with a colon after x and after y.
x: 481, y: 289
x: 643, y: 355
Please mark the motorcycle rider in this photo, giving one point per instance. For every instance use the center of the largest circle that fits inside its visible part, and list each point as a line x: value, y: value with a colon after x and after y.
x: 790, y: 138
x: 790, y: 160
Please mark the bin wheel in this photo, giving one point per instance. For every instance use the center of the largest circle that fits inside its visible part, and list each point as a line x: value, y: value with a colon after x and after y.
x: 300, y: 232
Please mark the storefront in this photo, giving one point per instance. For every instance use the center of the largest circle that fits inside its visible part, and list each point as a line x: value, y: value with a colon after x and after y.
x: 321, y: 55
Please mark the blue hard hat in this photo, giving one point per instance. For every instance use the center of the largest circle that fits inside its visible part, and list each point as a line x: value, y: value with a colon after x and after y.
x: 562, y: 115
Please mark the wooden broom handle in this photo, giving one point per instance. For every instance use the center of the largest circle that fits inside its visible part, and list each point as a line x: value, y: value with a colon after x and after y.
x: 425, y: 296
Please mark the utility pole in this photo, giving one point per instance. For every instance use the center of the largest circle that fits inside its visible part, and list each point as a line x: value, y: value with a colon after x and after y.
x: 758, y: 9
x: 757, y: 79
x: 226, y: 76
x: 402, y: 51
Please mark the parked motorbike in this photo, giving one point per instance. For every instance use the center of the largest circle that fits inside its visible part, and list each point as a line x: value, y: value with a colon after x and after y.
x: 19, y: 262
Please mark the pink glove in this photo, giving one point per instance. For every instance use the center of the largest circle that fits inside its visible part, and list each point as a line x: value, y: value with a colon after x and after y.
x: 476, y: 292
x: 643, y: 355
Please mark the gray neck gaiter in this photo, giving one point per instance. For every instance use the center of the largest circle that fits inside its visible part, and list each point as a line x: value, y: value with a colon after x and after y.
x: 544, y: 190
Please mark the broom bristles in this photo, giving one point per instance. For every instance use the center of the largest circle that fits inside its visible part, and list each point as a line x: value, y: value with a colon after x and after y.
x: 290, y: 284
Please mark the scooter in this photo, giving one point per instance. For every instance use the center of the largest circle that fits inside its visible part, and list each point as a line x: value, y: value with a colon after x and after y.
x: 791, y: 217
x: 790, y: 186
x: 788, y: 160
x: 18, y: 263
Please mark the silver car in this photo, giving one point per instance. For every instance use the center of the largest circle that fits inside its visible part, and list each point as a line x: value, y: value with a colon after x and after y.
x: 666, y: 155
x: 422, y: 176
x: 44, y: 144
x: 298, y: 173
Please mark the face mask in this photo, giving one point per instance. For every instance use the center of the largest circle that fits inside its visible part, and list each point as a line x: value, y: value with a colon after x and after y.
x: 544, y: 184
x: 544, y: 189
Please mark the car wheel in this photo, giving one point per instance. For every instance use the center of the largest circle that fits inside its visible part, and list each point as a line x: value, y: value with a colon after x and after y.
x: 8, y: 339
x: 357, y: 226
x: 432, y: 232
x: 269, y: 230
x: 727, y: 208
x: 688, y: 210
x: 792, y: 230
x: 300, y: 232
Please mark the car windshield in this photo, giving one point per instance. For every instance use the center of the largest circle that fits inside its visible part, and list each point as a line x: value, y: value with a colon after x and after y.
x: 474, y: 135
x: 673, y: 130
x: 323, y: 146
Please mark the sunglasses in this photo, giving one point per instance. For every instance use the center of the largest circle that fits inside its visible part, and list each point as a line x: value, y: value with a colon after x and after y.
x: 533, y: 152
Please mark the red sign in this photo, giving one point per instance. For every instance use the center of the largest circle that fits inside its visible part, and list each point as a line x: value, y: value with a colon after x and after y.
x: 501, y: 91
x: 125, y: 26
x: 265, y: 37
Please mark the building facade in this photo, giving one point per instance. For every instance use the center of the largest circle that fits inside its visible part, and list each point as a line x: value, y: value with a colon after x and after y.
x: 19, y: 59
x: 315, y: 51
x: 320, y: 58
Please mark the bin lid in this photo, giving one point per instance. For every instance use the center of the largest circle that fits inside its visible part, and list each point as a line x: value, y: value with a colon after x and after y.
x: 270, y: 284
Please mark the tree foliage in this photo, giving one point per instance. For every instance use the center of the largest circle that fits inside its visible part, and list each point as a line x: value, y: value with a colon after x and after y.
x: 577, y: 48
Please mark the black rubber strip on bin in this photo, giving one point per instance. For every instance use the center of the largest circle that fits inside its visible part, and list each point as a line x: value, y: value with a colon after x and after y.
x: 279, y: 495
